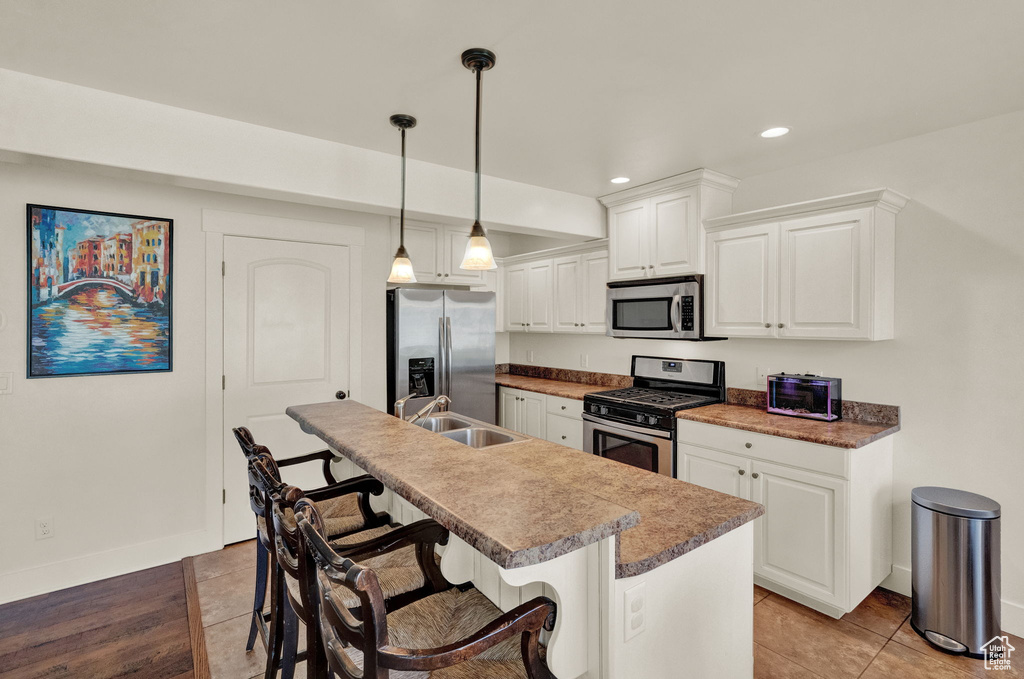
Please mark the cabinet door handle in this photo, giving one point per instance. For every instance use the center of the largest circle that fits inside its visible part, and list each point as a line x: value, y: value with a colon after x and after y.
x: 583, y: 325
x: 438, y: 275
x: 742, y: 472
x: 782, y: 325
x: 755, y: 475
x: 446, y: 275
x: 563, y: 437
x: 576, y: 325
x: 748, y: 445
x: 767, y: 325
x: 563, y: 407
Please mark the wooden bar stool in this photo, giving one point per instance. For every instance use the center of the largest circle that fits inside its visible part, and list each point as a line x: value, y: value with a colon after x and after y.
x: 453, y: 634
x: 404, y: 556
x: 347, y: 502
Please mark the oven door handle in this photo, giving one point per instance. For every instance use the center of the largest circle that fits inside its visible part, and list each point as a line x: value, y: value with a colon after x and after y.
x: 611, y: 426
x: 676, y: 313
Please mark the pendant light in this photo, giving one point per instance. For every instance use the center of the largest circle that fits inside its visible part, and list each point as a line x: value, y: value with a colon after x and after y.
x: 478, y: 250
x: 401, y: 269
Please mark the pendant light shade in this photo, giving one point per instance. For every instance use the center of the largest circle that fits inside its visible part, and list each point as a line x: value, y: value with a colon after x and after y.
x: 478, y: 255
x: 401, y: 268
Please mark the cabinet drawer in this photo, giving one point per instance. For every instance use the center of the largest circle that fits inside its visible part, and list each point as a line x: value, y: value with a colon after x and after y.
x: 565, y: 431
x: 566, y: 407
x: 810, y: 456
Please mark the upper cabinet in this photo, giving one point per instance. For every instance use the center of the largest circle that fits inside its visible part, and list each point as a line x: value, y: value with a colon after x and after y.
x: 823, y: 269
x: 558, y: 290
x: 656, y: 229
x: 436, y: 251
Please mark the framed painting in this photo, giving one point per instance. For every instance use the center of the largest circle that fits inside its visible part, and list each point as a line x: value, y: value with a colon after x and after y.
x: 99, y: 292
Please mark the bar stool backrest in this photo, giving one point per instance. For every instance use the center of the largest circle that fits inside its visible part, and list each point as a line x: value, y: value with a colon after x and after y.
x: 365, y: 629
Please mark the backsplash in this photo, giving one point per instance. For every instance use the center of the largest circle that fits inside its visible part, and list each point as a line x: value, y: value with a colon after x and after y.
x: 565, y: 375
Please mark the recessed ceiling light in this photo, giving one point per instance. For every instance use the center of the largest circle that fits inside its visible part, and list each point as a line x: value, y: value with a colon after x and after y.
x: 620, y: 180
x: 775, y: 132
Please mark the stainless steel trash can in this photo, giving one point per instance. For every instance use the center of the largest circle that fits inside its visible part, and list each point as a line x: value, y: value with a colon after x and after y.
x: 955, y: 569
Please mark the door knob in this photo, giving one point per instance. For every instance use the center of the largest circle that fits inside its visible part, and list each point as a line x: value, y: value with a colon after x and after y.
x: 755, y: 475
x: 748, y: 445
x: 563, y: 407
x: 438, y: 275
x: 742, y: 472
x: 446, y: 275
x: 767, y: 325
x: 782, y: 325
x: 340, y: 395
x: 563, y: 437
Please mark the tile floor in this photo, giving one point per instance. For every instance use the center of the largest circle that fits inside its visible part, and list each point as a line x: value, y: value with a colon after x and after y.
x: 790, y: 641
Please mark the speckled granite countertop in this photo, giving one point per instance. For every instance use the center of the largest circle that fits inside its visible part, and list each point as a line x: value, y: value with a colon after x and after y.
x: 550, y: 387
x: 531, y: 501
x: 841, y: 433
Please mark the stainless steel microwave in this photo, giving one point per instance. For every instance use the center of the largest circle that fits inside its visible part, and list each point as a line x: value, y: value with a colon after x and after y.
x: 658, y: 308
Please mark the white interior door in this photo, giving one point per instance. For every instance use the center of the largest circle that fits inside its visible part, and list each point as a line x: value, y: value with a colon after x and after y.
x: 286, y: 342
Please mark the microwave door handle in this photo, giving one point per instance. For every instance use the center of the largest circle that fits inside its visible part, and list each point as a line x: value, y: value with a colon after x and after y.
x: 676, y: 314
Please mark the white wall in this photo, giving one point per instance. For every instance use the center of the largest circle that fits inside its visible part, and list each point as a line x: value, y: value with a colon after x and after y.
x: 119, y: 462
x: 957, y: 362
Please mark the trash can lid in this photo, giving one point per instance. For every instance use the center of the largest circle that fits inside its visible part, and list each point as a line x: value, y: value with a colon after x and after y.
x: 956, y: 502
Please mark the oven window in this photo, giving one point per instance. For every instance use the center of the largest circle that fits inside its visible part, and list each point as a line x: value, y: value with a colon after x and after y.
x: 626, y: 450
x: 642, y: 314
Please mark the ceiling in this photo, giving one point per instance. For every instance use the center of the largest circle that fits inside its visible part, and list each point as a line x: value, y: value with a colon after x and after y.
x: 583, y: 90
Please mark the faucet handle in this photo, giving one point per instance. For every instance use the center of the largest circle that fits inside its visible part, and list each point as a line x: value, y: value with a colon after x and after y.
x: 443, y: 402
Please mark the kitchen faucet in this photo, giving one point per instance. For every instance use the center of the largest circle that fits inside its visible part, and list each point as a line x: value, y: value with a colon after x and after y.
x: 441, y: 402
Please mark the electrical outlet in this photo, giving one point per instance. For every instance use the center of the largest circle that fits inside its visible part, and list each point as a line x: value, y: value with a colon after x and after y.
x: 529, y: 355
x: 762, y: 376
x: 584, y: 360
x: 634, y: 610
x: 44, y: 528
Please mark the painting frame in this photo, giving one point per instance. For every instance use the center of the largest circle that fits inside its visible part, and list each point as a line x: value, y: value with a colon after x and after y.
x: 154, y: 297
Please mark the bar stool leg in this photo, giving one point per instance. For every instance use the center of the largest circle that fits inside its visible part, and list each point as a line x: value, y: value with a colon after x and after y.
x: 291, y: 642
x: 260, y: 596
x: 276, y: 632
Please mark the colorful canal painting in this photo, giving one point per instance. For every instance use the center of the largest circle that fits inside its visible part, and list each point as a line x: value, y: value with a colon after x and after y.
x: 99, y: 292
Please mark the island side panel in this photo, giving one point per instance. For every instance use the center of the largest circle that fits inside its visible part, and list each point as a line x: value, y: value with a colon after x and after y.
x: 697, y: 615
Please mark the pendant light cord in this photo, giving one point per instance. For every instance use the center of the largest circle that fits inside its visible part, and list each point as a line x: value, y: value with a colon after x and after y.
x: 401, y: 218
x: 479, y: 96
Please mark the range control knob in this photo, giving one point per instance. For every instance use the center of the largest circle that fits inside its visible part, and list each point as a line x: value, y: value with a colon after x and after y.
x: 603, y: 410
x: 652, y: 419
x: 640, y: 417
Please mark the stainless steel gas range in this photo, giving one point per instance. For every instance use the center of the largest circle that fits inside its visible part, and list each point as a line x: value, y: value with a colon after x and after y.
x: 637, y: 425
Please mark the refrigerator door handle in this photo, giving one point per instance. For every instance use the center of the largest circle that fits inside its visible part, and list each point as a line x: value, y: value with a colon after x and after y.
x: 442, y: 371
x: 448, y: 357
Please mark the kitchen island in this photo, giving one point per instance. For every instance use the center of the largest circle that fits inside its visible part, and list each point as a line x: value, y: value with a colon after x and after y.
x: 650, y: 574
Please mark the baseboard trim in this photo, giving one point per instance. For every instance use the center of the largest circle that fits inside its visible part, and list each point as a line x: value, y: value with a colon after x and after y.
x: 200, y: 661
x: 1012, y: 613
x: 898, y: 581
x: 80, y: 570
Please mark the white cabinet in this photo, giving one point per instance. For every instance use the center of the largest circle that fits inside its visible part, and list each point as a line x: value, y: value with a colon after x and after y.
x: 436, y: 251
x: 714, y: 469
x: 522, y: 411
x: 818, y: 270
x: 801, y: 541
x: 580, y: 292
x: 564, y: 423
x: 741, y: 282
x: 825, y: 539
x: 558, y: 290
x: 539, y: 296
x: 656, y: 230
x: 529, y: 296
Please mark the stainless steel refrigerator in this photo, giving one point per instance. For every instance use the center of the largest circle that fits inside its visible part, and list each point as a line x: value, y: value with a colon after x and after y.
x: 442, y: 342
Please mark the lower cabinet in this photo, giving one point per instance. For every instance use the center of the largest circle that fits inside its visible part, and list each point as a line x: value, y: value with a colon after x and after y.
x: 522, y: 411
x: 552, y: 418
x: 825, y: 539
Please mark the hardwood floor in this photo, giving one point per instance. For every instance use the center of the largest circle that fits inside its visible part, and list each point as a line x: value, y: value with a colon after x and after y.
x: 134, y: 625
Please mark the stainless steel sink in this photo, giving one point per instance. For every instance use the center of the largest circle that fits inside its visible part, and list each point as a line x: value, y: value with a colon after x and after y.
x: 478, y: 437
x: 444, y: 422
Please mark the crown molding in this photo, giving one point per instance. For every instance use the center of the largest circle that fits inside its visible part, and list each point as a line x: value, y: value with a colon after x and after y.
x: 886, y: 199
x: 575, y: 248
x: 699, y: 177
